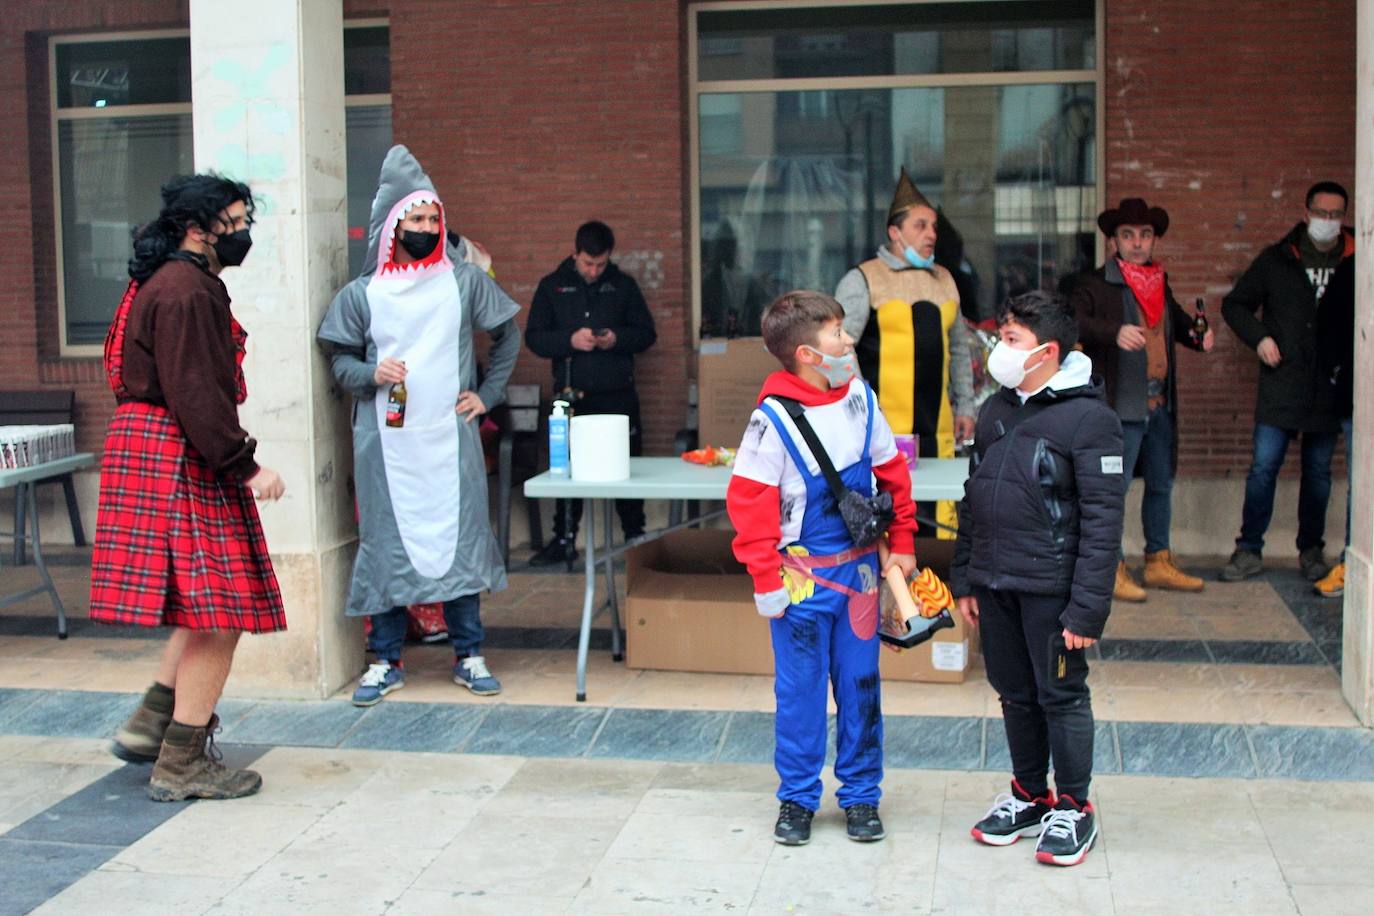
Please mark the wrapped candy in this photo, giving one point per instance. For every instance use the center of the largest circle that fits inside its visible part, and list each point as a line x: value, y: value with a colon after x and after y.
x: 711, y: 456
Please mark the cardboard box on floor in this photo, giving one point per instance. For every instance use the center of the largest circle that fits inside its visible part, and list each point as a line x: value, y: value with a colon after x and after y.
x: 690, y: 607
x: 729, y: 376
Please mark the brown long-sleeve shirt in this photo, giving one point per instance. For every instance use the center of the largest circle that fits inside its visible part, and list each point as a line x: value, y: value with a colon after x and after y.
x: 179, y: 352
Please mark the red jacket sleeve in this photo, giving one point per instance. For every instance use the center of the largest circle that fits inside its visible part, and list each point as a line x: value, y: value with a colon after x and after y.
x: 755, y: 510
x: 895, y: 477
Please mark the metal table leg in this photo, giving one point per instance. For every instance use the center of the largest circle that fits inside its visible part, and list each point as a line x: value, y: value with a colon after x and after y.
x: 617, y: 654
x: 32, y: 499
x: 588, y: 599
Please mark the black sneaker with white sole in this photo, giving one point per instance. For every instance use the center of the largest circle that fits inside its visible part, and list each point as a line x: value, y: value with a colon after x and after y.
x: 1069, y: 831
x: 1013, y: 815
x: 863, y: 823
x: 794, y: 825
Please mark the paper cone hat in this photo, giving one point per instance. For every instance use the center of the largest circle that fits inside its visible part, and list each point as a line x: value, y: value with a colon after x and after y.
x: 906, y: 196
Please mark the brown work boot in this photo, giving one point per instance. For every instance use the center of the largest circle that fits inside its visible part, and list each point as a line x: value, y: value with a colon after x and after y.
x: 1127, y: 589
x: 139, y: 739
x: 1160, y: 572
x: 189, y: 767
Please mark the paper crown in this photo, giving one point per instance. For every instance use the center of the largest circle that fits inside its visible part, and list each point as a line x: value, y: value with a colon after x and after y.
x: 906, y: 196
x: 932, y: 594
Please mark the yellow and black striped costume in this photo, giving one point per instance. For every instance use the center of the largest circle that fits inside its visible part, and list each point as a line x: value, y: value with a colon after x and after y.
x: 904, y: 355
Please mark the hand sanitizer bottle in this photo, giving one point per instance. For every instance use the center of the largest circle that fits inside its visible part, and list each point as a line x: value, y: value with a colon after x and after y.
x: 558, y: 439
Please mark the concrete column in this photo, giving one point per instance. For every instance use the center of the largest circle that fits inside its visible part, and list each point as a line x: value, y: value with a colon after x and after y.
x: 267, y: 97
x: 1357, y: 668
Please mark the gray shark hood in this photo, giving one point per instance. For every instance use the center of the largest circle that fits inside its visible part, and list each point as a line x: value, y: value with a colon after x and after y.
x: 401, y: 175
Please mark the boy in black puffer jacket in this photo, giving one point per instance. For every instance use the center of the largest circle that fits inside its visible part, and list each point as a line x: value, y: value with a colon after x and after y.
x: 1035, y: 563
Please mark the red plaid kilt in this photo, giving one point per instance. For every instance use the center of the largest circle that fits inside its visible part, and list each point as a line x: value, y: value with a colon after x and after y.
x: 174, y: 544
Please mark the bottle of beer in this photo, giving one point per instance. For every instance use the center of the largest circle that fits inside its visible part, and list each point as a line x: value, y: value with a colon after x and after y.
x: 396, y: 405
x: 1199, y: 321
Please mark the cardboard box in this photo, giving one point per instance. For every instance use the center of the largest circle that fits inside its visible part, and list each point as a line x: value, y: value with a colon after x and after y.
x: 690, y: 607
x: 729, y: 376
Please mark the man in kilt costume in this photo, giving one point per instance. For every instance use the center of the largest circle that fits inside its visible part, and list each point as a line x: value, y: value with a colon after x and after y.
x: 424, y: 534
x: 178, y: 542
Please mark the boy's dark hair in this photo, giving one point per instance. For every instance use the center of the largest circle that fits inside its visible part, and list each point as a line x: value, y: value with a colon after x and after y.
x: 794, y: 319
x: 1046, y: 315
x: 187, y: 200
x: 1327, y: 187
x: 594, y: 238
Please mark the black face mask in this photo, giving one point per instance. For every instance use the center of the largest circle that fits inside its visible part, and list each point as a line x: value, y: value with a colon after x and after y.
x: 419, y: 245
x: 231, y: 249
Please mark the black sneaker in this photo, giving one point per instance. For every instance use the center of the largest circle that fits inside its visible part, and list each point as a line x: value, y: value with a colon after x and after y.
x: 794, y: 825
x: 1244, y: 564
x: 1013, y: 815
x: 1069, y: 832
x: 558, y: 550
x: 864, y: 824
x: 1313, y: 566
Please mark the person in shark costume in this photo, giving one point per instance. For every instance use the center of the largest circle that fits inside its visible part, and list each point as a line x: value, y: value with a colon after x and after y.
x: 424, y: 534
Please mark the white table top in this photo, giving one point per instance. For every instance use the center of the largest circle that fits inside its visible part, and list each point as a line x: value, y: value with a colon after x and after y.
x: 673, y: 478
x: 11, y: 476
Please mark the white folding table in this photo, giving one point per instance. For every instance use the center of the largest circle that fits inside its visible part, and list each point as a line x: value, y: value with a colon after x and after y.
x: 676, y: 480
x: 25, y: 479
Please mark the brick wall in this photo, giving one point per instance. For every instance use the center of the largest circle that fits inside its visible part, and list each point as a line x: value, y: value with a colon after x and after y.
x: 1224, y: 114
x: 533, y: 116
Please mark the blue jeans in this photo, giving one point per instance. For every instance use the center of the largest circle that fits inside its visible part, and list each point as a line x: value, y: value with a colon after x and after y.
x: 1152, y: 442
x: 1314, y: 492
x: 462, y: 615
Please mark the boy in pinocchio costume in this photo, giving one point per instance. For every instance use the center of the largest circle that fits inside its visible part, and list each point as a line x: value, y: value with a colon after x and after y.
x: 913, y: 345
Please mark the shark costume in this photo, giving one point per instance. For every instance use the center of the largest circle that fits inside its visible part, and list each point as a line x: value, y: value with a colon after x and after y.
x: 422, y: 488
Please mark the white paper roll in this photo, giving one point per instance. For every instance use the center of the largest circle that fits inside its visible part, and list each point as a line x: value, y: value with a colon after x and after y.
x: 600, y: 447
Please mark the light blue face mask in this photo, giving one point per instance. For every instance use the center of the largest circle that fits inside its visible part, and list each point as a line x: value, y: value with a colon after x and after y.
x: 915, y: 260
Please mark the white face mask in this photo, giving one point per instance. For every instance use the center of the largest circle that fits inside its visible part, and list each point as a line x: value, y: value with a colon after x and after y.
x: 838, y: 370
x: 1007, y: 364
x: 1323, y: 231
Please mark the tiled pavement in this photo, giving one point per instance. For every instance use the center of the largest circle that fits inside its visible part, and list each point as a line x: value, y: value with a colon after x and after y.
x: 1232, y: 779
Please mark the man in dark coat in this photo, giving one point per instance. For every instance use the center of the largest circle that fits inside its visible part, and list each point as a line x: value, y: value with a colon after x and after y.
x: 1128, y: 324
x: 1276, y: 308
x: 590, y: 319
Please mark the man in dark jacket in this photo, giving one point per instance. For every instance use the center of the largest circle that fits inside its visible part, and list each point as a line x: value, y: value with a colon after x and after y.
x: 591, y: 319
x: 1037, y: 549
x: 1276, y: 308
x: 1128, y: 323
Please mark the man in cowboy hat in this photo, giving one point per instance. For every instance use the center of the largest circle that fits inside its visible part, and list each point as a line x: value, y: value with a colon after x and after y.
x: 1128, y: 323
x: 913, y: 345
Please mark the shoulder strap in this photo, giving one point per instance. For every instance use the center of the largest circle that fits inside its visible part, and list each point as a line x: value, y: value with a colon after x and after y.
x: 798, y: 414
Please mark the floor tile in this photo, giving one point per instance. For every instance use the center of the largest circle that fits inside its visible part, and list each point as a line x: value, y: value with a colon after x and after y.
x: 1184, y: 749
x: 416, y: 727
x: 32, y: 871
x: 70, y: 713
x: 749, y: 738
x: 574, y: 787
x: 420, y: 901
x: 651, y: 734
x: 556, y: 857
x: 1331, y: 899
x: 540, y: 731
x: 311, y: 777
x: 114, y: 809
x: 933, y: 742
x: 1254, y: 652
x: 312, y: 724
x: 1314, y: 753
x: 642, y: 886
x: 151, y: 895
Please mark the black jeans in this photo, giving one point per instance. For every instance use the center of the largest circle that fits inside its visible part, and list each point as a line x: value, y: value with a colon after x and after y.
x: 1047, y: 712
x: 567, y: 513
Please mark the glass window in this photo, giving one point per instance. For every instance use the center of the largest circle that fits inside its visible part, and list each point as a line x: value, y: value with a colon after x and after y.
x: 367, y: 60
x: 803, y: 196
x: 368, y: 139
x: 111, y: 170
x: 896, y: 39
x: 102, y: 74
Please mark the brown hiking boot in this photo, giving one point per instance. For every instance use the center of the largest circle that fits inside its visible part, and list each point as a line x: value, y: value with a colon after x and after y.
x: 1127, y: 589
x: 1160, y: 572
x: 139, y: 739
x: 189, y: 767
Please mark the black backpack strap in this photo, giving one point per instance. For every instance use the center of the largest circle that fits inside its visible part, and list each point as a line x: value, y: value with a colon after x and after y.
x: 797, y: 412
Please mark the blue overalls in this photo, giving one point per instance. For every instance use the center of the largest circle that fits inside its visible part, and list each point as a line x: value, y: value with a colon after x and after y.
x: 830, y: 637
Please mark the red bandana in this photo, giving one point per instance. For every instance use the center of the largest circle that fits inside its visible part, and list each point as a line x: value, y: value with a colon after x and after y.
x: 1147, y: 282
